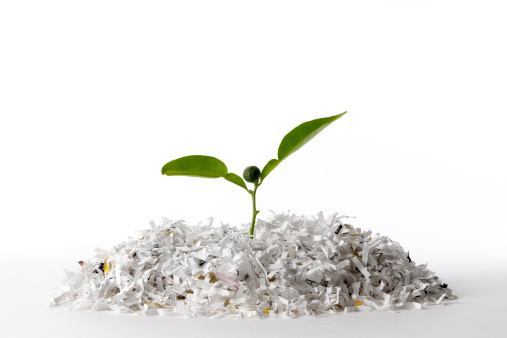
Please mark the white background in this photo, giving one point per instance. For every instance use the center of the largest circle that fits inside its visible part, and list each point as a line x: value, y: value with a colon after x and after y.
x: 96, y: 96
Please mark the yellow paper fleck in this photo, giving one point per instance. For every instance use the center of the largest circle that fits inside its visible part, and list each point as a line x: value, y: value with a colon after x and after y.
x: 267, y: 311
x: 358, y: 303
x: 155, y: 304
x: 106, y: 266
x: 213, y: 278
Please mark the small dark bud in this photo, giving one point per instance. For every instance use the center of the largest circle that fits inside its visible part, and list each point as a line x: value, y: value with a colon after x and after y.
x: 252, y: 174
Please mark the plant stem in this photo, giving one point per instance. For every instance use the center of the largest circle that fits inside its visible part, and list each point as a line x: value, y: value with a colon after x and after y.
x: 255, y: 212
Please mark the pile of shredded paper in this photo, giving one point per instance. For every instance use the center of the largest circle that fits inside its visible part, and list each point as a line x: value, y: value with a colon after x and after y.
x: 294, y: 266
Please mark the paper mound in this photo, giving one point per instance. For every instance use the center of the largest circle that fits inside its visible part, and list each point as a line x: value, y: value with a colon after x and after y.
x: 295, y: 266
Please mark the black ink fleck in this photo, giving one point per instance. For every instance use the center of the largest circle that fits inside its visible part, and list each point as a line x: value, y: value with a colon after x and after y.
x: 338, y: 229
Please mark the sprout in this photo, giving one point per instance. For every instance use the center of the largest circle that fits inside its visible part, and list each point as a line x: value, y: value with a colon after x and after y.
x: 211, y: 167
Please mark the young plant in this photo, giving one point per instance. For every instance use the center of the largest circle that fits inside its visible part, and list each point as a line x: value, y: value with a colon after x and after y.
x: 211, y: 167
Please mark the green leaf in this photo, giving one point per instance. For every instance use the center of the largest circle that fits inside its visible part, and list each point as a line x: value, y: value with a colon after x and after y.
x: 231, y: 177
x: 269, y: 167
x: 303, y: 133
x: 196, y: 165
x: 297, y: 138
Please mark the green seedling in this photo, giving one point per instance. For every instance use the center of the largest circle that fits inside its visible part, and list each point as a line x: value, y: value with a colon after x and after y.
x: 211, y: 167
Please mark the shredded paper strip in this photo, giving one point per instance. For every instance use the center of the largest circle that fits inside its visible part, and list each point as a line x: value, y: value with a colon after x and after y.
x: 295, y: 266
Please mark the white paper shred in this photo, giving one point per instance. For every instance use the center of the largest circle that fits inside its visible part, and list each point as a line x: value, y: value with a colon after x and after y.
x: 295, y: 266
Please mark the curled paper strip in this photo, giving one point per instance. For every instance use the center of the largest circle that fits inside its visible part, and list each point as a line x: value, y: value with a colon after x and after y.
x: 295, y: 266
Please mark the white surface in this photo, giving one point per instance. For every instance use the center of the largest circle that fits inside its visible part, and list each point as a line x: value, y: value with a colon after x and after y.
x: 96, y: 96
